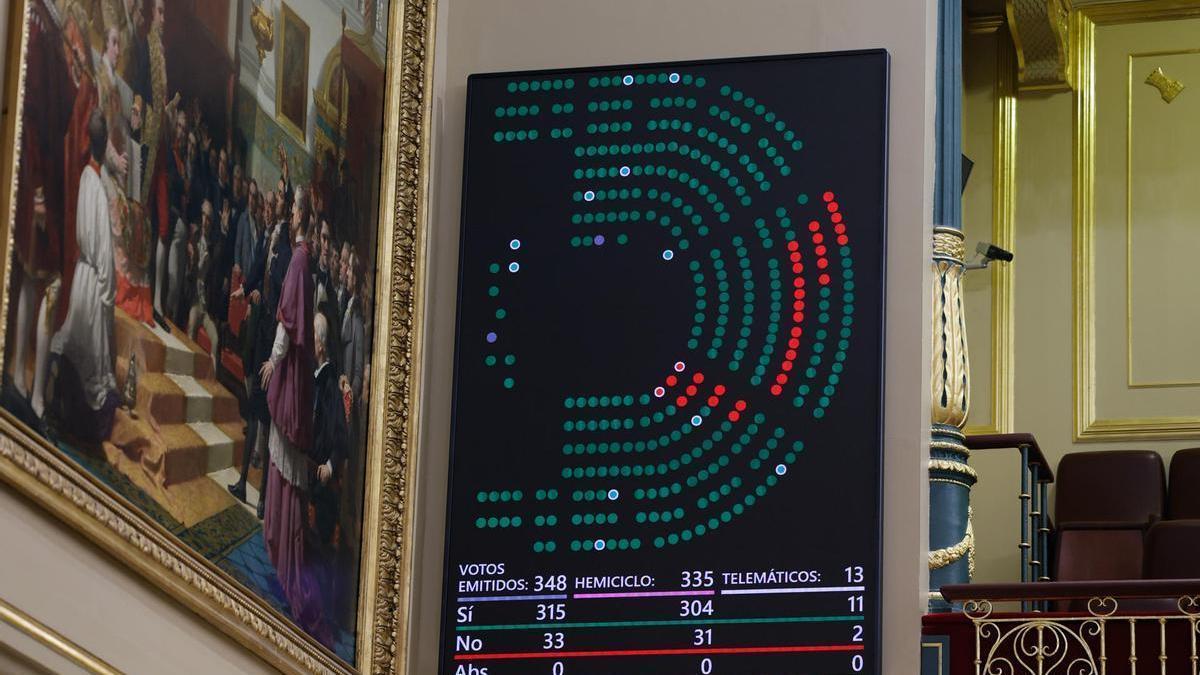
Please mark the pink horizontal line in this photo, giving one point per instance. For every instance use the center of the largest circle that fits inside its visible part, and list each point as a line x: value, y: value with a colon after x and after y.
x: 643, y: 594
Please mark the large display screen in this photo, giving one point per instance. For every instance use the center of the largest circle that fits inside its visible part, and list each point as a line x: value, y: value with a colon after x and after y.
x: 667, y: 423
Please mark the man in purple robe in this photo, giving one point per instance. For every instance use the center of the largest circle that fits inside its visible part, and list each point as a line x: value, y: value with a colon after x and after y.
x: 288, y: 377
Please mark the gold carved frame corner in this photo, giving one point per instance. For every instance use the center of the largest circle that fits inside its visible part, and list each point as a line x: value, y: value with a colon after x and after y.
x: 1088, y: 426
x: 38, y: 470
x: 1003, y: 232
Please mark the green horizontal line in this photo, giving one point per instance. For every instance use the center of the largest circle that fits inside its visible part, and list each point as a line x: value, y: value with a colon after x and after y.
x: 671, y: 622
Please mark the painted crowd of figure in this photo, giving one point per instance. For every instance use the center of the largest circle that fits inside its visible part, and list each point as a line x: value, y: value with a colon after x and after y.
x: 126, y: 201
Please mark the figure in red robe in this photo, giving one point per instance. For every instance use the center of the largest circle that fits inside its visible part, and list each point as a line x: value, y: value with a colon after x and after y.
x: 288, y: 376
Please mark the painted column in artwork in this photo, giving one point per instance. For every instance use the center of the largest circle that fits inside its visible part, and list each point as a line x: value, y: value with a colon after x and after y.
x: 951, y: 540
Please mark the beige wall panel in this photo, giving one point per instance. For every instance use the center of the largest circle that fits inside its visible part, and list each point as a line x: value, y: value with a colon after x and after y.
x: 979, y: 100
x: 493, y: 35
x: 1164, y: 219
x: 1043, y: 306
x: 71, y: 586
x: 1145, y: 233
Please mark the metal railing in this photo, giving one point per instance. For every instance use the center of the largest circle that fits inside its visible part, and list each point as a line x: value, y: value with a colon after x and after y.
x: 1036, y: 477
x: 1140, y: 626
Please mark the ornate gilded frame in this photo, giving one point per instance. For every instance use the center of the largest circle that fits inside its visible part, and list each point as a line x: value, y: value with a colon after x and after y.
x: 297, y: 128
x: 1003, y: 234
x: 42, y: 473
x: 1088, y: 426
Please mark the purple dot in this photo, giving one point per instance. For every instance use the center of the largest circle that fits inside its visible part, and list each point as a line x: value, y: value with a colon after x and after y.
x: 491, y: 337
x: 599, y: 240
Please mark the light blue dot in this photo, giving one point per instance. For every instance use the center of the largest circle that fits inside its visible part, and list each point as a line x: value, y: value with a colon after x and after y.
x: 599, y: 545
x: 628, y: 80
x: 668, y: 254
x: 697, y: 420
x: 780, y: 469
x: 613, y: 494
x: 673, y: 78
x: 624, y: 171
x: 514, y: 267
x: 514, y: 244
x: 589, y: 196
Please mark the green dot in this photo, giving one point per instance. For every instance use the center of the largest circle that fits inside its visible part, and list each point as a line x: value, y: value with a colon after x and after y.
x: 509, y: 383
x: 500, y: 313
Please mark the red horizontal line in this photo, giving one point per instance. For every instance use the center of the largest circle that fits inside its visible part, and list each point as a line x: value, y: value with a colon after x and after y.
x: 794, y: 649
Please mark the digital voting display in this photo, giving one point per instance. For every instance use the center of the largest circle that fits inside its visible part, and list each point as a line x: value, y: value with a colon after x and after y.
x: 667, y: 415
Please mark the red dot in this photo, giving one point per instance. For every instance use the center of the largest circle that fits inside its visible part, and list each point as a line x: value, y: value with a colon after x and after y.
x: 659, y: 391
x: 734, y: 416
x: 828, y: 196
x: 832, y: 206
x: 818, y: 238
x: 792, y: 246
x: 840, y: 228
x: 719, y: 390
x: 837, y: 217
x: 799, y: 294
x: 679, y: 366
x: 797, y: 268
x: 798, y: 317
x: 821, y: 250
x: 671, y: 380
x: 691, y: 390
x: 822, y: 263
x: 843, y: 240
x: 795, y: 257
x: 798, y: 282
x: 740, y: 405
x: 814, y: 226
x: 713, y: 401
x: 790, y: 354
x: 681, y: 401
x: 798, y: 305
x: 786, y: 365
x: 824, y: 279
x: 797, y: 331
x: 781, y: 378
x: 698, y: 378
x: 776, y: 389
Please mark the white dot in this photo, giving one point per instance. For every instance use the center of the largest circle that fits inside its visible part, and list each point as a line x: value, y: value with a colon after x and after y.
x: 780, y: 469
x: 668, y: 254
x: 674, y: 77
x: 624, y: 171
x: 679, y: 366
x: 514, y: 267
x: 589, y: 196
x: 613, y: 494
x: 628, y: 80
x: 514, y: 244
x: 599, y: 545
x: 697, y: 420
x: 659, y: 392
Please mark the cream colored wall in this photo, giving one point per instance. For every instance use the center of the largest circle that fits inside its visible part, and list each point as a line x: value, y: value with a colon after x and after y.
x: 495, y: 35
x: 52, y: 574
x: 1044, y: 307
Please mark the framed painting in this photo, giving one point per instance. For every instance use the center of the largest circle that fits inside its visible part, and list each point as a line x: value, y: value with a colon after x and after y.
x: 291, y: 79
x: 209, y: 320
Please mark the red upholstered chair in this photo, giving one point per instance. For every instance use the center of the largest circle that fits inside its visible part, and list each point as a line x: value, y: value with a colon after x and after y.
x: 1104, y: 503
x: 1183, y: 500
x: 1173, y: 550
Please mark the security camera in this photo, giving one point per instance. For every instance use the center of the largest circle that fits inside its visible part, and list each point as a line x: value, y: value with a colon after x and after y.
x: 986, y: 252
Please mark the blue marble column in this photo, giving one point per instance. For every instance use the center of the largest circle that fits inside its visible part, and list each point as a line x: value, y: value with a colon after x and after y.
x: 951, y: 541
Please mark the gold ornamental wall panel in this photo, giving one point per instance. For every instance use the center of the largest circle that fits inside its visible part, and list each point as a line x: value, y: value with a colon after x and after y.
x: 989, y: 140
x: 1137, y: 164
